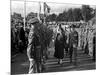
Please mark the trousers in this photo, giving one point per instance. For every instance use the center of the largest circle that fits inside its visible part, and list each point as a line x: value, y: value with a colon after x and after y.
x: 73, y: 52
x: 33, y: 67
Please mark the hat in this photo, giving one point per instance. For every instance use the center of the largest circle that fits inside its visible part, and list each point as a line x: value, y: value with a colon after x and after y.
x: 33, y: 20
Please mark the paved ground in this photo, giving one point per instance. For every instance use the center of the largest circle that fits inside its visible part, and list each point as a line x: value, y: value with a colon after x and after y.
x: 20, y: 63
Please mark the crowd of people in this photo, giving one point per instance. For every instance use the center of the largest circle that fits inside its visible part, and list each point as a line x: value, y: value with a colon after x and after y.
x: 19, y: 39
x: 29, y: 40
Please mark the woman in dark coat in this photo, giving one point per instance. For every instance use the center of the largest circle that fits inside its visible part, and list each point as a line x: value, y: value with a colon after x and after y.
x: 59, y: 48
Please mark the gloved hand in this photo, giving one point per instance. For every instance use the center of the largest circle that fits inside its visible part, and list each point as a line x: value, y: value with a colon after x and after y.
x: 30, y: 59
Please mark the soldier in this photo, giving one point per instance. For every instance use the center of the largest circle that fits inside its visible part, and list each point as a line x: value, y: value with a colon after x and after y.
x: 34, y: 47
x: 66, y: 42
x: 73, y: 44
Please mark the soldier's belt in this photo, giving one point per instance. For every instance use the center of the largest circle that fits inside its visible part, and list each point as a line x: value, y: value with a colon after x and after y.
x: 38, y: 46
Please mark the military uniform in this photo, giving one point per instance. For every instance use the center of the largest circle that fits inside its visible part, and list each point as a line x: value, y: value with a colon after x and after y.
x: 73, y: 44
x: 34, y: 51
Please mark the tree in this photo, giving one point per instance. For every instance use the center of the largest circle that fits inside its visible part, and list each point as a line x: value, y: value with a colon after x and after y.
x: 66, y: 16
x: 70, y: 15
x: 51, y: 17
x: 62, y: 16
x: 77, y: 15
x: 59, y: 17
x: 87, y: 12
x: 94, y: 12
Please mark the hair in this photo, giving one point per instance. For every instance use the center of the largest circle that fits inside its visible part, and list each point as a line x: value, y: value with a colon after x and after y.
x: 57, y: 35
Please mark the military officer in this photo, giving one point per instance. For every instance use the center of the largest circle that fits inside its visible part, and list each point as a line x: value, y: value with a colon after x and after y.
x: 73, y: 43
x: 33, y: 47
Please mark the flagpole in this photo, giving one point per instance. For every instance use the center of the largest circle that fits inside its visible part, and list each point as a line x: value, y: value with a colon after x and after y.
x: 24, y: 13
x: 38, y: 14
x: 44, y: 12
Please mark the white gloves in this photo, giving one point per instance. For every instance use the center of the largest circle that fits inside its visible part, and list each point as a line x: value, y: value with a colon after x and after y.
x: 30, y: 59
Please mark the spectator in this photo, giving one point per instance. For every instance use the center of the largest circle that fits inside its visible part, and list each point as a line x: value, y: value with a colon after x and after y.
x: 21, y: 38
x: 59, y: 48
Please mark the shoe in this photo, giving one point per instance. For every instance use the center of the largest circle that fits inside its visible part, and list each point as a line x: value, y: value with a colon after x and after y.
x: 60, y: 61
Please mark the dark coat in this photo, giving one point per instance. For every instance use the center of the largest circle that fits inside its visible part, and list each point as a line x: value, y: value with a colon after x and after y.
x: 22, y: 38
x: 59, y: 48
x: 94, y: 48
x: 22, y: 34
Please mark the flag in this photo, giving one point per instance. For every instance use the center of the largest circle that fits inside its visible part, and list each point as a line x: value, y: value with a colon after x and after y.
x: 46, y: 9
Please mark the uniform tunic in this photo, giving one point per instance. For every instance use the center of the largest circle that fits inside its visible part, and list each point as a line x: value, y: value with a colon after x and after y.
x: 73, y: 44
x: 34, y: 51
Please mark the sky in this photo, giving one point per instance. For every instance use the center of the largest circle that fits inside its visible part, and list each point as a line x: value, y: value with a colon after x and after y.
x: 33, y: 6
